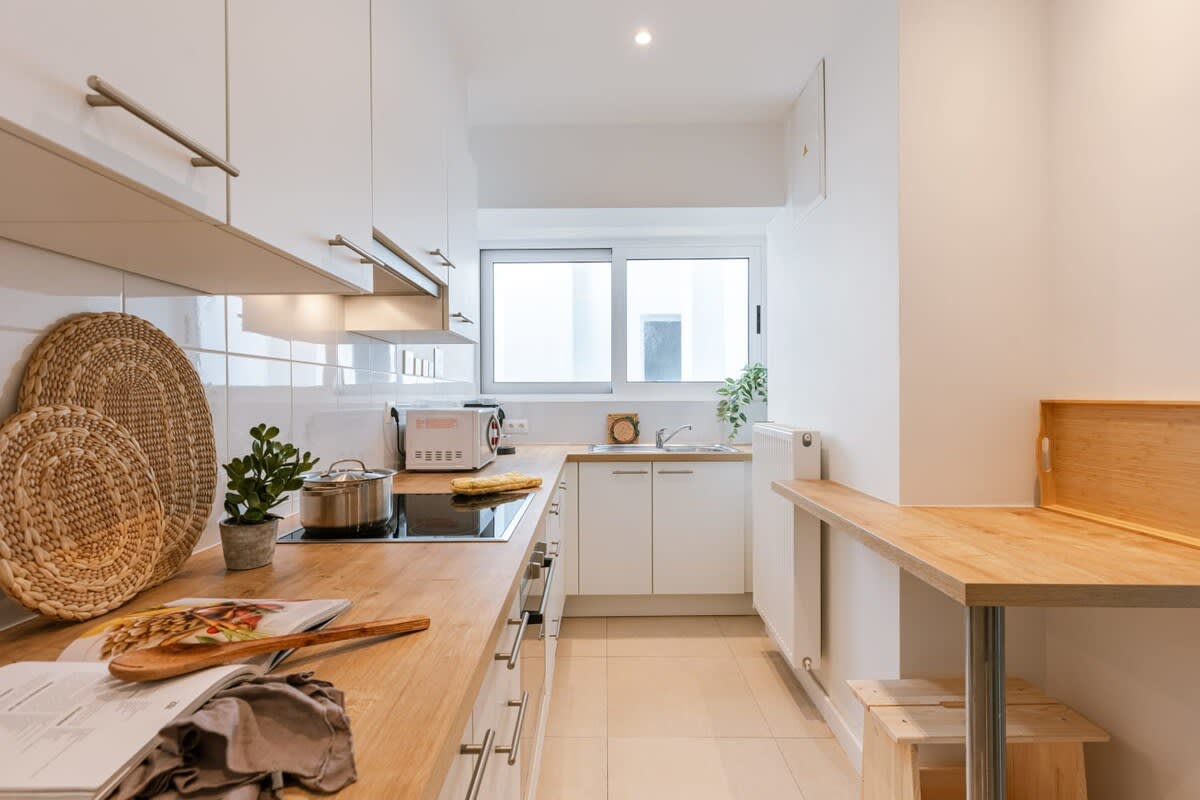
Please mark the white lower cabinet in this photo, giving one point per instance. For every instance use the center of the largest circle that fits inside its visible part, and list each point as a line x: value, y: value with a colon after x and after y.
x: 699, y: 528
x: 661, y: 528
x: 615, y: 528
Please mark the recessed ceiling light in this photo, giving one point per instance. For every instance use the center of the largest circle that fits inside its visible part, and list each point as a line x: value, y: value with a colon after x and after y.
x: 643, y: 37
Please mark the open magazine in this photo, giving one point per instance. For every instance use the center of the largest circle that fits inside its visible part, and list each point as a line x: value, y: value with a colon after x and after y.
x: 68, y: 729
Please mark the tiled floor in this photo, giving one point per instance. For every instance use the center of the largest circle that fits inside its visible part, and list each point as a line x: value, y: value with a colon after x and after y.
x: 702, y: 708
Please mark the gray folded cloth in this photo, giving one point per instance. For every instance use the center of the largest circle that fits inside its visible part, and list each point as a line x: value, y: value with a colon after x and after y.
x: 248, y: 741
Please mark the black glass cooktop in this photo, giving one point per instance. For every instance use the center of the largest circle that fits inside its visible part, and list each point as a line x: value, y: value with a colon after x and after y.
x: 433, y: 518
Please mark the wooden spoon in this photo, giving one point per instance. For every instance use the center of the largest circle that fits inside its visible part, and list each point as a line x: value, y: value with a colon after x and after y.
x: 169, y: 660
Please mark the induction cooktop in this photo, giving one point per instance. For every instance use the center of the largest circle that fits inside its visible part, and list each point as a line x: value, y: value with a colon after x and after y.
x: 432, y: 518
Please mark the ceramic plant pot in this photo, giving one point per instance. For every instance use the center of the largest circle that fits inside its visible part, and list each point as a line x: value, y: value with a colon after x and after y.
x: 248, y: 546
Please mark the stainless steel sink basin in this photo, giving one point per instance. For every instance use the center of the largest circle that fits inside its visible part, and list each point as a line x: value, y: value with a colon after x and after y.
x: 670, y: 448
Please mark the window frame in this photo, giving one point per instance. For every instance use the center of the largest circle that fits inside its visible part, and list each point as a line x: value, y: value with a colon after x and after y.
x: 620, y: 254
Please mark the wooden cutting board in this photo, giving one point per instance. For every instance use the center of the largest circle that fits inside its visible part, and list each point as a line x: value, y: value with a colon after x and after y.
x: 1133, y: 464
x: 622, y: 428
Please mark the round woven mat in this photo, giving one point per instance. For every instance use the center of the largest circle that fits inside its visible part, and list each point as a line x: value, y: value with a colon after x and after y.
x: 81, y: 522
x: 129, y: 370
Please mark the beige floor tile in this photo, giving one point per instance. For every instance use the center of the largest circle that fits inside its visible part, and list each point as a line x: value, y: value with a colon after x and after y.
x: 746, y: 636
x: 698, y: 769
x: 789, y: 712
x: 578, y: 707
x: 665, y: 636
x: 583, y: 637
x: 573, y: 769
x: 681, y: 697
x: 821, y: 768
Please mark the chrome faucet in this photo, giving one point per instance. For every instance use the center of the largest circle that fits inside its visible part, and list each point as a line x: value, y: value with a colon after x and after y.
x: 660, y: 441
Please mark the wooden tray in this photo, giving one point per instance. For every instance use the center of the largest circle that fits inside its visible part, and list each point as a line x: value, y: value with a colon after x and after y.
x: 1133, y: 464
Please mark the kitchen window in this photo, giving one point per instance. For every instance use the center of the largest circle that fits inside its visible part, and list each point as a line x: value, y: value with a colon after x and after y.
x: 642, y: 322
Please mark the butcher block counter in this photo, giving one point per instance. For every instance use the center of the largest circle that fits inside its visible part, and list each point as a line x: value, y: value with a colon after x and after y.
x: 408, y: 697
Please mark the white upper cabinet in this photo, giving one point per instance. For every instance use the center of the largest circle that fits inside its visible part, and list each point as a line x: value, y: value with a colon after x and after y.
x: 300, y: 121
x: 412, y: 86
x: 462, y: 183
x: 167, y: 55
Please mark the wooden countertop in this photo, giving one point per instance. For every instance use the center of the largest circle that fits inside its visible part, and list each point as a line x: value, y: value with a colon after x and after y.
x: 408, y: 698
x: 1011, y: 556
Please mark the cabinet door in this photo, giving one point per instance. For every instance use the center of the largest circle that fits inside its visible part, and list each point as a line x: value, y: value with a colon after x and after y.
x: 462, y: 227
x: 699, y: 528
x: 168, y: 55
x: 492, y: 710
x: 411, y: 80
x: 614, y: 528
x: 300, y: 122
x: 458, y: 780
x: 568, y: 482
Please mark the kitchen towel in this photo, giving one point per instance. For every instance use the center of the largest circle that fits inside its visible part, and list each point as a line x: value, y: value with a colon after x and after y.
x: 250, y: 740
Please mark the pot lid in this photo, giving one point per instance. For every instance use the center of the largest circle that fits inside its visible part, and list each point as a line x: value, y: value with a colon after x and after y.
x: 346, y: 475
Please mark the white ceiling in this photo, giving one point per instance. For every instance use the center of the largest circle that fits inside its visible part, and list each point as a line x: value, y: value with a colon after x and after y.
x: 573, y: 62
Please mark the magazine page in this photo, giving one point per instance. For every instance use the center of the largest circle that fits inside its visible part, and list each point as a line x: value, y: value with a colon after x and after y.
x: 201, y: 620
x: 70, y: 728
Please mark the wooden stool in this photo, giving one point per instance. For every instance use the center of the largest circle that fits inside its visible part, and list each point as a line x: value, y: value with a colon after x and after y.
x: 1045, y: 741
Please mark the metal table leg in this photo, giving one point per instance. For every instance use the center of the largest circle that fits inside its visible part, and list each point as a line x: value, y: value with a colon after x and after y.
x: 985, y: 703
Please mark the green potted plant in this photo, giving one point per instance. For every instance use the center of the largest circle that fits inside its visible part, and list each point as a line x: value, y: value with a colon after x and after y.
x: 737, y: 393
x: 257, y: 484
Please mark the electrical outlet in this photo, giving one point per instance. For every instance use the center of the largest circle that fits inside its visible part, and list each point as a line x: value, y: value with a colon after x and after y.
x: 516, y: 427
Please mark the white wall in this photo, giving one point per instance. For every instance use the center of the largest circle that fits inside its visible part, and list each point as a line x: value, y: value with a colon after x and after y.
x: 833, y: 329
x: 284, y: 360
x: 974, y: 307
x: 1125, y: 122
x: 685, y: 166
x: 974, y: 248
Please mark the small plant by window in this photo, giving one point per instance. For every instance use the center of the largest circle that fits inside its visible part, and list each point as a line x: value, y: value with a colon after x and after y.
x: 737, y: 393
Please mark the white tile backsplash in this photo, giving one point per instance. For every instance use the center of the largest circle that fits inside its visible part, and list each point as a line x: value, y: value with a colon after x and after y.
x: 192, y: 320
x: 584, y: 421
x: 316, y: 326
x: 261, y: 325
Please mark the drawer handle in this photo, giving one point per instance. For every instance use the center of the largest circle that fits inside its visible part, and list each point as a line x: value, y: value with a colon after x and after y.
x: 631, y: 472
x: 554, y: 509
x: 562, y: 485
x: 109, y: 95
x: 437, y: 253
x: 484, y: 751
x: 557, y: 545
x: 512, y: 748
x: 513, y: 657
x: 463, y: 318
x: 676, y: 471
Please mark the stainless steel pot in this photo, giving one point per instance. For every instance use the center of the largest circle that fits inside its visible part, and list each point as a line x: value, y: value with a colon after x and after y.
x: 346, y: 499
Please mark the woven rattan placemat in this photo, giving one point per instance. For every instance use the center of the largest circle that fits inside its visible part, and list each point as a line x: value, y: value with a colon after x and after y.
x: 81, y: 522
x: 129, y: 370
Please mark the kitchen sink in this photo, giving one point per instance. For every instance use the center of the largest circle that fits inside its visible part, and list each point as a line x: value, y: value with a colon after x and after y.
x: 670, y: 448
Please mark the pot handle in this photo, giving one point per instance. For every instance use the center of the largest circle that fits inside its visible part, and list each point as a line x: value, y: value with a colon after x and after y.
x: 329, y: 470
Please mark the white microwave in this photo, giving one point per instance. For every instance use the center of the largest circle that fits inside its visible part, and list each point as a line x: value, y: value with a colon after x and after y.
x: 450, y: 438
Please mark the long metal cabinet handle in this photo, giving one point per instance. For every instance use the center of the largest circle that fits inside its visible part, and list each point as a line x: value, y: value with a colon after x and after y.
x: 546, y: 589
x: 484, y: 751
x: 512, y: 748
x: 367, y: 257
x: 437, y: 253
x: 109, y: 95
x: 676, y: 472
x: 630, y: 472
x: 513, y: 657
x: 458, y: 315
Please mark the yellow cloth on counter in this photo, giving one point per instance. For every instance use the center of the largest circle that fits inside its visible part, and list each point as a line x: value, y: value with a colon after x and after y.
x: 504, y: 482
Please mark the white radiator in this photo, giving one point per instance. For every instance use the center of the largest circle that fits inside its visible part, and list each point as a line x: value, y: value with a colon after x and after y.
x: 787, y: 543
